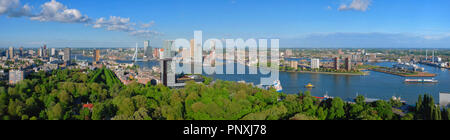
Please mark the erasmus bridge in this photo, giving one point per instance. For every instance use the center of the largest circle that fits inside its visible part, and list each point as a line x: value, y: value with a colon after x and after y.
x: 135, y: 56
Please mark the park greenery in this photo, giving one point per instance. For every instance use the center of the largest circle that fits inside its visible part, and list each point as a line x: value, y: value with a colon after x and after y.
x: 63, y: 94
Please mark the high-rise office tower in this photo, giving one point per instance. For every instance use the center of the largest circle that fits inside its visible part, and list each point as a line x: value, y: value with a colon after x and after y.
x: 11, y: 52
x: 52, y: 51
x: 147, y: 50
x: 21, y: 52
x: 97, y: 55
x: 167, y: 50
x: 167, y: 64
x: 44, y: 51
x: 40, y: 52
x: 66, y: 57
x: 156, y: 53
x: 192, y: 50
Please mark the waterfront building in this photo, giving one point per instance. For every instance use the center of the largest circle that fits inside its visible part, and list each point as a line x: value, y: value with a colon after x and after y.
x: 315, y: 63
x: 336, y: 63
x: 408, y: 66
x: 15, y: 76
x: 294, y: 65
x: 348, y: 64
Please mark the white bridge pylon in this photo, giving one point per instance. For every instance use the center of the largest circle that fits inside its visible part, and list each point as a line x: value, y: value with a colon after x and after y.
x: 135, y: 56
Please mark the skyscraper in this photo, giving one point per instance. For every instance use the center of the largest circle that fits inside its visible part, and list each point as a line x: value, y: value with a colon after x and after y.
x: 97, y: 55
x: 44, y: 51
x: 167, y: 64
x: 21, y: 51
x: 11, y: 52
x: 52, y: 51
x: 167, y: 51
x: 40, y: 52
x: 147, y: 50
x: 66, y: 57
x: 192, y: 50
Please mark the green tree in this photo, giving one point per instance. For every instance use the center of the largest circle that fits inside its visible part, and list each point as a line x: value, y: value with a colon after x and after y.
x: 55, y: 112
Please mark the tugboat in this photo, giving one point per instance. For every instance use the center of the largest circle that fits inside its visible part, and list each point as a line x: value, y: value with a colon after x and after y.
x: 309, y: 85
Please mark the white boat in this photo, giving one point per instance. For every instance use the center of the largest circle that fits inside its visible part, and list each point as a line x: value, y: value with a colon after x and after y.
x: 277, y: 86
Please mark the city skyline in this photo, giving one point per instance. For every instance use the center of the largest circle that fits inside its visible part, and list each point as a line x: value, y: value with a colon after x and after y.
x: 298, y: 24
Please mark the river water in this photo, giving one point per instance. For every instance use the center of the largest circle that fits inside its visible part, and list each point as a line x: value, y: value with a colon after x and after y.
x: 376, y: 85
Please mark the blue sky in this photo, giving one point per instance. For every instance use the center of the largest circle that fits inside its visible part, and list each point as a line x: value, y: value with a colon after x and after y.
x: 297, y: 23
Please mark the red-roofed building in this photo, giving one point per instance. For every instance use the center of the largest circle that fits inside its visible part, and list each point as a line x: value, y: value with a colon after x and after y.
x: 89, y: 106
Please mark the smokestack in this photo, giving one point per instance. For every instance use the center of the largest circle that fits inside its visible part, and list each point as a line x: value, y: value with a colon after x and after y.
x: 432, y: 59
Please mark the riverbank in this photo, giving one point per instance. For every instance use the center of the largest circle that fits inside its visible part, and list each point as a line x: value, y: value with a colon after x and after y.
x: 416, y: 74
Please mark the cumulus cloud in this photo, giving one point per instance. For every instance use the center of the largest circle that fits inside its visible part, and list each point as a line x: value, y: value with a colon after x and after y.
x: 114, y: 23
x: 55, y: 11
x: 6, y: 5
x: 12, y: 8
x: 357, y: 5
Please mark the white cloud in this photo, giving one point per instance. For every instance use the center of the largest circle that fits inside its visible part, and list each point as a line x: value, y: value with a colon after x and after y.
x: 358, y: 5
x: 436, y: 36
x: 114, y: 24
x: 147, y: 25
x: 144, y: 33
x: 13, y: 9
x: 55, y: 11
x: 123, y: 24
x: 7, y: 5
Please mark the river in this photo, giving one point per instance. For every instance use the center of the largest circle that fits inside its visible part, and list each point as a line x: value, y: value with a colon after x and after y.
x: 376, y: 85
